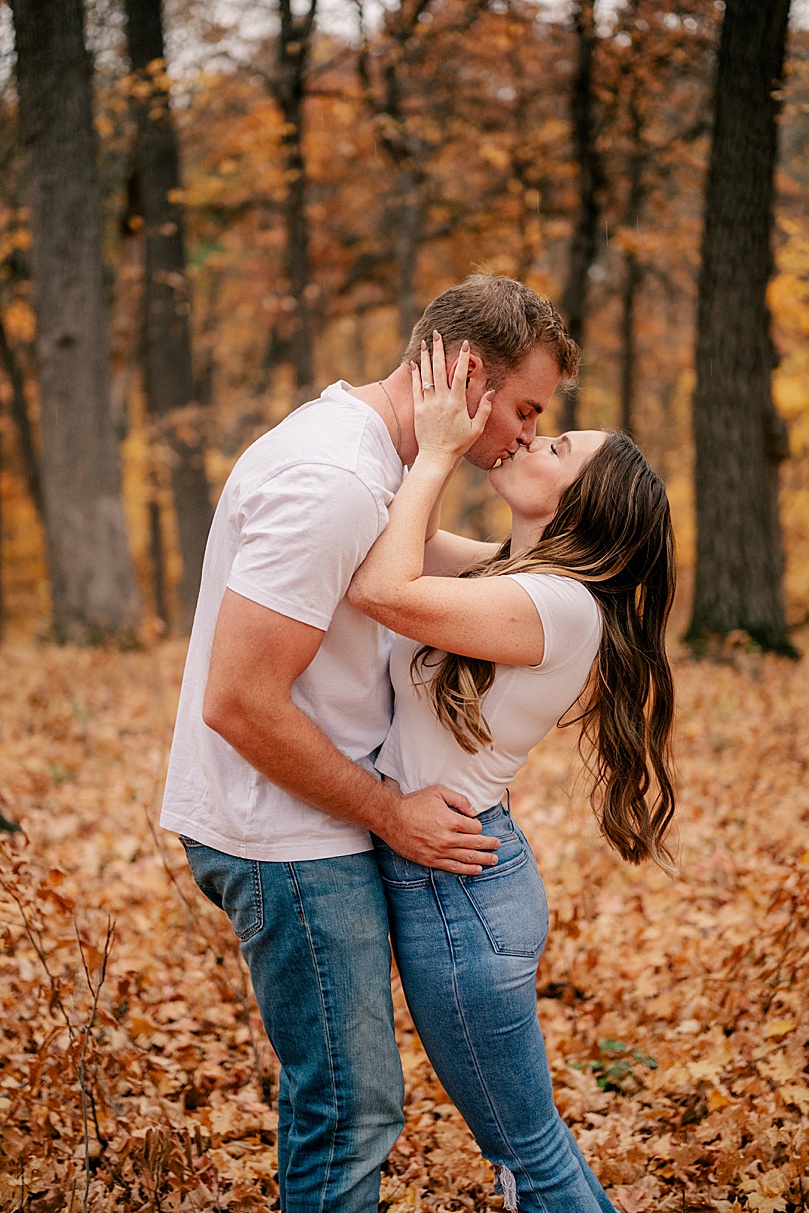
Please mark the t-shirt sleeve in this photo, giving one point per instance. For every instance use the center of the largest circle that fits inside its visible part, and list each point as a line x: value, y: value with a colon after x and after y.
x: 303, y: 534
x: 571, y: 619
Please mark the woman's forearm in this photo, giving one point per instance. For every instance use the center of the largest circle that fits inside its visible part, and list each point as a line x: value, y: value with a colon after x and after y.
x: 434, y: 521
x: 444, y: 431
x: 397, y: 557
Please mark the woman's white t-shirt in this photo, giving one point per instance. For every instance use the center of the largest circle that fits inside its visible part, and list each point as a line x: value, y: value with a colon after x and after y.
x: 521, y: 706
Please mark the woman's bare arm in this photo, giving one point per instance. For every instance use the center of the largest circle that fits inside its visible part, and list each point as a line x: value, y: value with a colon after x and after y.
x: 492, y: 618
x: 447, y: 554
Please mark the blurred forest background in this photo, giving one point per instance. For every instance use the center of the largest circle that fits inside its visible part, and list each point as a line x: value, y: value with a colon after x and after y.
x: 208, y: 211
x: 280, y: 189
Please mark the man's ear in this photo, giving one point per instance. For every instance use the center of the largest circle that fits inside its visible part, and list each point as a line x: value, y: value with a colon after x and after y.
x: 475, y: 381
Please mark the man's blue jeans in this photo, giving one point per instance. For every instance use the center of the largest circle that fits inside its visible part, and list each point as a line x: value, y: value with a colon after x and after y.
x: 314, y: 935
x: 467, y: 948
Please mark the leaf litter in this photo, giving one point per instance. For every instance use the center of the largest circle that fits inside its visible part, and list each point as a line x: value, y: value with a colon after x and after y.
x: 134, y: 1072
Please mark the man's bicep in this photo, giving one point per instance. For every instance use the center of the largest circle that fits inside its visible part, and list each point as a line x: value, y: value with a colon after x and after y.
x: 253, y: 642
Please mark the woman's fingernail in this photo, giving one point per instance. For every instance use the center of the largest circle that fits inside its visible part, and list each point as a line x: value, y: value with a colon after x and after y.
x: 423, y: 344
x: 465, y: 346
x: 436, y: 335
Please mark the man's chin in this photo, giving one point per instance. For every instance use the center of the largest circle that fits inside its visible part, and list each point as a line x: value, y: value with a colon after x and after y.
x: 484, y: 460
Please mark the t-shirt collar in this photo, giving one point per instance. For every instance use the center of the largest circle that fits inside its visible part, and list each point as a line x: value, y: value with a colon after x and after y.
x: 341, y: 390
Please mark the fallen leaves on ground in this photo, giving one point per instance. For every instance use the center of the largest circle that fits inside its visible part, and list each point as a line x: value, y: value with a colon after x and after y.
x: 134, y: 1073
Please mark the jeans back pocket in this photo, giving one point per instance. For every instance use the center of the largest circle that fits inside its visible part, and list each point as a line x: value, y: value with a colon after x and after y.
x: 397, y: 871
x: 231, y: 883
x: 510, y: 902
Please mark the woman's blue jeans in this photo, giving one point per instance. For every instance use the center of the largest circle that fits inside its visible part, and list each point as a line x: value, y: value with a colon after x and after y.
x: 467, y: 948
x: 314, y: 935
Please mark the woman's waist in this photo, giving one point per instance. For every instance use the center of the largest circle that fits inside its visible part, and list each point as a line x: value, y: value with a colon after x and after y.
x: 483, y: 791
x: 496, y: 821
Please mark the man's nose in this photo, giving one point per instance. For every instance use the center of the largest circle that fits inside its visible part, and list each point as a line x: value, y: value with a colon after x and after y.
x: 529, y: 431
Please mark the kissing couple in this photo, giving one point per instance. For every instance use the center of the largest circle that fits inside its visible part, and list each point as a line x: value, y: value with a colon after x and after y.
x: 360, y: 690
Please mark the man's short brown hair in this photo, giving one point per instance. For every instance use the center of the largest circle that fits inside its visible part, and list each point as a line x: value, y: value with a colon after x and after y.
x: 502, y: 320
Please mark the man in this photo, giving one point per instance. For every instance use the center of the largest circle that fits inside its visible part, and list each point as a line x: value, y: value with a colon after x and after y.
x: 285, y: 700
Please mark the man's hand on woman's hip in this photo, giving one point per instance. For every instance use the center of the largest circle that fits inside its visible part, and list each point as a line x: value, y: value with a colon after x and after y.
x: 439, y: 829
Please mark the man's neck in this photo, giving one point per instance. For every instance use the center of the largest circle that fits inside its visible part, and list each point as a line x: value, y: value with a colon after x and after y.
x: 392, y: 399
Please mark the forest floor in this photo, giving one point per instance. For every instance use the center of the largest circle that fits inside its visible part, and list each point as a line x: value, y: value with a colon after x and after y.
x: 676, y: 1013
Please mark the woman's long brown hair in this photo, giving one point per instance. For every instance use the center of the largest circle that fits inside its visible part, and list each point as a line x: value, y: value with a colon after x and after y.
x: 612, y: 531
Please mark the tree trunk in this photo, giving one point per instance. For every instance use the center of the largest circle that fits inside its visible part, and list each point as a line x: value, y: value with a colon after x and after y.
x: 22, y: 421
x: 406, y: 151
x: 158, y: 559
x: 628, y: 357
x: 409, y: 225
x: 738, y: 435
x: 297, y: 261
x: 127, y: 337
x: 93, y: 583
x: 2, y: 561
x: 167, y: 345
x: 289, y: 90
x: 584, y: 244
x: 633, y: 270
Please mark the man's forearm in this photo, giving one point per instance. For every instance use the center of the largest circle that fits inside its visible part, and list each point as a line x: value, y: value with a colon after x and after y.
x: 288, y: 748
x: 256, y: 657
x: 434, y: 521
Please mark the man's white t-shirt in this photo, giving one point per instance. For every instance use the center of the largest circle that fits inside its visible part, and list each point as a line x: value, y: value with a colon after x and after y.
x: 297, y: 516
x: 521, y: 706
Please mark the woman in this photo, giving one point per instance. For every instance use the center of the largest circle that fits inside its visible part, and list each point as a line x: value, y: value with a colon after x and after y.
x: 571, y: 610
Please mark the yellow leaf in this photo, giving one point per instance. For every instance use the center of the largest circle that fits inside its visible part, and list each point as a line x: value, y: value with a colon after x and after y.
x: 780, y: 1027
x: 765, y: 1204
x: 796, y: 1093
x: 781, y: 1067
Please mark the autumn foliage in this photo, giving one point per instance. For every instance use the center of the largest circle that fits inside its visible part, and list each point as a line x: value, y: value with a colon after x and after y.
x: 132, y: 1059
x: 134, y: 1071
x: 438, y: 142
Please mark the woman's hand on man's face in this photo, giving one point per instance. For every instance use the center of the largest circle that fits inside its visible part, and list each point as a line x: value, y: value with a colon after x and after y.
x: 444, y: 428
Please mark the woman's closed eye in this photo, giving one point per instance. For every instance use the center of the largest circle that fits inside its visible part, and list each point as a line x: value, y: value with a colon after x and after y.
x: 553, y: 449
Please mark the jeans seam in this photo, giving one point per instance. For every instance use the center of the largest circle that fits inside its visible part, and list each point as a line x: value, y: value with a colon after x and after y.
x: 405, y: 884
x: 508, y: 867
x: 503, y: 1135
x: 329, y: 1048
x: 447, y: 931
x: 258, y: 907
